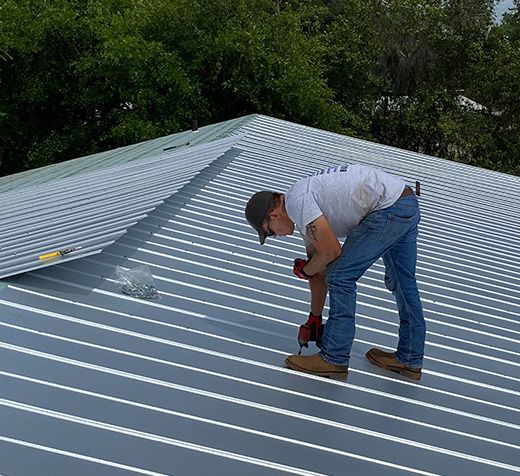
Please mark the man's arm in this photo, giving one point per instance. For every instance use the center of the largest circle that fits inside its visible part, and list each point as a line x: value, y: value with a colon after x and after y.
x: 318, y: 286
x: 324, y: 243
x: 323, y: 249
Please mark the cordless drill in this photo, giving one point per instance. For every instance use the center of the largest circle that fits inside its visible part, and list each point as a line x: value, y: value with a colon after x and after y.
x: 311, y: 331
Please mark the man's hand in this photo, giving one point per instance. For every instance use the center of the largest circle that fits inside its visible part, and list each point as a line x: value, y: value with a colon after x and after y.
x: 299, y: 264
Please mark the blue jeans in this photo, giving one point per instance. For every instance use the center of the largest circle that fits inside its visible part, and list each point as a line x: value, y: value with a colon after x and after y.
x: 390, y: 233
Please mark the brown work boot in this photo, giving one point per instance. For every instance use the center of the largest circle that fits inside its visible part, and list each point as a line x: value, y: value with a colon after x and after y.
x: 387, y: 360
x: 314, y: 364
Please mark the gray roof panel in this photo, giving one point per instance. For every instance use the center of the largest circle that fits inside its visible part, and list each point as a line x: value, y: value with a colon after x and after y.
x: 91, y: 210
x: 121, y: 155
x: 97, y: 382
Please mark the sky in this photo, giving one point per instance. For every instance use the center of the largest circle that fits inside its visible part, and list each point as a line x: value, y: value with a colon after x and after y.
x: 502, y: 7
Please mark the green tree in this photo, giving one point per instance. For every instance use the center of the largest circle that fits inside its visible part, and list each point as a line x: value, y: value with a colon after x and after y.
x: 496, y: 82
x: 428, y: 55
x: 77, y: 81
x: 82, y: 76
x: 246, y: 56
x: 352, y: 57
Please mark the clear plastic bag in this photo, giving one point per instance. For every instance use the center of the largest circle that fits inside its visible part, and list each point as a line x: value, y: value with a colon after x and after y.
x: 137, y: 282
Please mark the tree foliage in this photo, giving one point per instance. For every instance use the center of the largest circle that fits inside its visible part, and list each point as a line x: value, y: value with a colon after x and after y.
x: 80, y: 76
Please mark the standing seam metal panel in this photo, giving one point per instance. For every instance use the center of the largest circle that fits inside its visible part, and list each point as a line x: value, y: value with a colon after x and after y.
x: 199, y: 373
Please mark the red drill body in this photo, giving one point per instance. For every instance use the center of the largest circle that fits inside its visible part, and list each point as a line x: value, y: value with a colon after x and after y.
x: 310, y: 331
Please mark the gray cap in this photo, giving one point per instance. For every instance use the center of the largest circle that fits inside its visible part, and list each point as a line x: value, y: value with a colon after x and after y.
x: 257, y: 209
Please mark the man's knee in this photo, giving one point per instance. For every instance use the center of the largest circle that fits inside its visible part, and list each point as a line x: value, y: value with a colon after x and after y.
x: 343, y: 281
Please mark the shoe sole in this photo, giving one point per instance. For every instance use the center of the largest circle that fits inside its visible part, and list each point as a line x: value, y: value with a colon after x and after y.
x: 332, y: 375
x: 404, y: 372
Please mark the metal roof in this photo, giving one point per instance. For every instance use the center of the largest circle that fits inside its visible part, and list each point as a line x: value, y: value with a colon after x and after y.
x: 121, y: 155
x: 89, y: 211
x: 96, y: 382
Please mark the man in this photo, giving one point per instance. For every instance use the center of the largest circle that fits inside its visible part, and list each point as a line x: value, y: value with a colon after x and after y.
x: 378, y: 214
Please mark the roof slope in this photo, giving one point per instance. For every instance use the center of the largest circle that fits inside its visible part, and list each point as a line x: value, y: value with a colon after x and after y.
x: 95, y: 382
x: 121, y: 155
x: 88, y: 203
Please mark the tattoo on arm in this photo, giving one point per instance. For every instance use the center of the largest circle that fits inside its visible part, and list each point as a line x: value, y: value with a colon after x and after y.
x: 312, y: 231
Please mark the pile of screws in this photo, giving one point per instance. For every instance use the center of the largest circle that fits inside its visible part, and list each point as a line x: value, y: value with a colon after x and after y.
x: 137, y: 282
x: 140, y: 290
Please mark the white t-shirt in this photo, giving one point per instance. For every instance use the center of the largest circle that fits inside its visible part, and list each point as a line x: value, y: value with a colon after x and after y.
x: 344, y: 194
